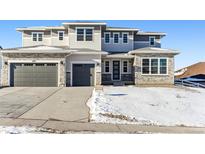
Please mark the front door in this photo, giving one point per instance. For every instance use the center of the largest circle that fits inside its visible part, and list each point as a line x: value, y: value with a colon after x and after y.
x: 116, y: 70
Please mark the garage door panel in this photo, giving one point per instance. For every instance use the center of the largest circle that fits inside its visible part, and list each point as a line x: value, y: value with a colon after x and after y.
x: 82, y: 75
x: 38, y: 75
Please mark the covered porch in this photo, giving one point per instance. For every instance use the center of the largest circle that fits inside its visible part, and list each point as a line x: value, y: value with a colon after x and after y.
x: 117, y: 69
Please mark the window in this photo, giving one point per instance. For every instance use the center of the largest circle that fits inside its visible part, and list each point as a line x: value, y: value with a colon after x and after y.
x: 152, y: 41
x: 80, y: 34
x: 89, y: 34
x: 163, y: 66
x: 107, y: 66
x: 60, y: 35
x: 125, y: 66
x: 116, y: 37
x: 107, y: 37
x: 145, y: 66
x: 84, y: 34
x: 37, y: 36
x: 34, y: 36
x: 125, y: 37
x: 40, y: 37
x: 155, y: 66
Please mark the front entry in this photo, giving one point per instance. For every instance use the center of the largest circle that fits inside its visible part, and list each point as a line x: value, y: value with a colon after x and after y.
x: 83, y: 75
x: 116, y: 70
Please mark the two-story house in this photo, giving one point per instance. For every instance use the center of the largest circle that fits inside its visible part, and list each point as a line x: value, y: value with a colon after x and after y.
x: 87, y: 54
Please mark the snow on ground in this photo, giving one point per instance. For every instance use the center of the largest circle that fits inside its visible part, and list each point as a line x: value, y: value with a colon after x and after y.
x: 149, y: 106
x: 28, y: 130
x: 16, y: 130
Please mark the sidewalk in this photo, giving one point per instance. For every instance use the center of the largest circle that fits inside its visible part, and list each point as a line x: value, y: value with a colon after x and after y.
x: 64, y: 126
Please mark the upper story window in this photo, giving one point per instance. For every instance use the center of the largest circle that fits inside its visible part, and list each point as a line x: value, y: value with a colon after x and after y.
x: 151, y: 40
x: 106, y: 38
x: 84, y: 34
x: 125, y: 66
x: 125, y: 37
x: 60, y: 35
x: 37, y: 36
x: 107, y: 66
x: 116, y: 37
x: 155, y: 66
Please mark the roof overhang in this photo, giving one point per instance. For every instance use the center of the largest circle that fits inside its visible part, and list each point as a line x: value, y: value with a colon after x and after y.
x: 152, y: 33
x: 150, y: 50
x: 52, y: 50
x: 84, y: 23
x: 120, y: 55
x: 39, y: 28
x: 121, y: 29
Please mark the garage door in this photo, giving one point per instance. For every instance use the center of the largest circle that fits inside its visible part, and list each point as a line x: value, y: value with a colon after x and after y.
x: 83, y: 74
x: 34, y: 74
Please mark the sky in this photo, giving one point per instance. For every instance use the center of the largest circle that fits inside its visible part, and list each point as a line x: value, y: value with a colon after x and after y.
x: 186, y: 36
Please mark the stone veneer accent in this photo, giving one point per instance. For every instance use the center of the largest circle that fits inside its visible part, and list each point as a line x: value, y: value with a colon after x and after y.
x: 98, y: 78
x: 154, y: 79
x: 33, y: 57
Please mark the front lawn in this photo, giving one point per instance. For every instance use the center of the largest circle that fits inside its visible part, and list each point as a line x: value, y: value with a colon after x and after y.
x: 149, y: 106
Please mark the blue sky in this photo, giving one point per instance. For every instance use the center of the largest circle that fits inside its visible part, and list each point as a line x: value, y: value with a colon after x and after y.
x: 186, y: 36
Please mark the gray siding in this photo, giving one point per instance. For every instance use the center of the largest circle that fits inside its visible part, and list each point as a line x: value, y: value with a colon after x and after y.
x: 119, y: 47
x: 138, y: 45
x: 142, y: 41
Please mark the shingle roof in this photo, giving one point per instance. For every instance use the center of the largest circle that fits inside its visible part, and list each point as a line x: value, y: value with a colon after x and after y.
x: 192, y: 70
x: 154, y: 50
x: 51, y: 49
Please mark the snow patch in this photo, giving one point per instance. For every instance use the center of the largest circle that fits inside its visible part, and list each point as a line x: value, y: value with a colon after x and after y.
x: 148, y: 106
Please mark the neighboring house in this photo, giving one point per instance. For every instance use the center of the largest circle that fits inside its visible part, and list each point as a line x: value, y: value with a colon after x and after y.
x: 88, y: 54
x: 194, y: 73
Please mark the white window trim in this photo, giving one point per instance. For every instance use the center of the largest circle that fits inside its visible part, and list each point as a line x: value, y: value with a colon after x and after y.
x: 59, y: 35
x: 128, y: 69
x: 150, y: 37
x: 37, y: 36
x: 114, y: 38
x: 104, y: 72
x: 127, y: 37
x: 158, y: 74
x: 109, y: 37
x: 84, y: 33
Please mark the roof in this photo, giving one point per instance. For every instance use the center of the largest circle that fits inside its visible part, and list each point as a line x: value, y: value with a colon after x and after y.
x: 119, y: 55
x: 84, y: 23
x: 192, y: 70
x: 41, y: 28
x: 51, y: 49
x: 121, y: 29
x: 152, y: 33
x: 153, y: 50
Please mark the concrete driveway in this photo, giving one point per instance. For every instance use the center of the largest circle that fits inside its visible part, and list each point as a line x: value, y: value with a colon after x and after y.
x: 67, y: 104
